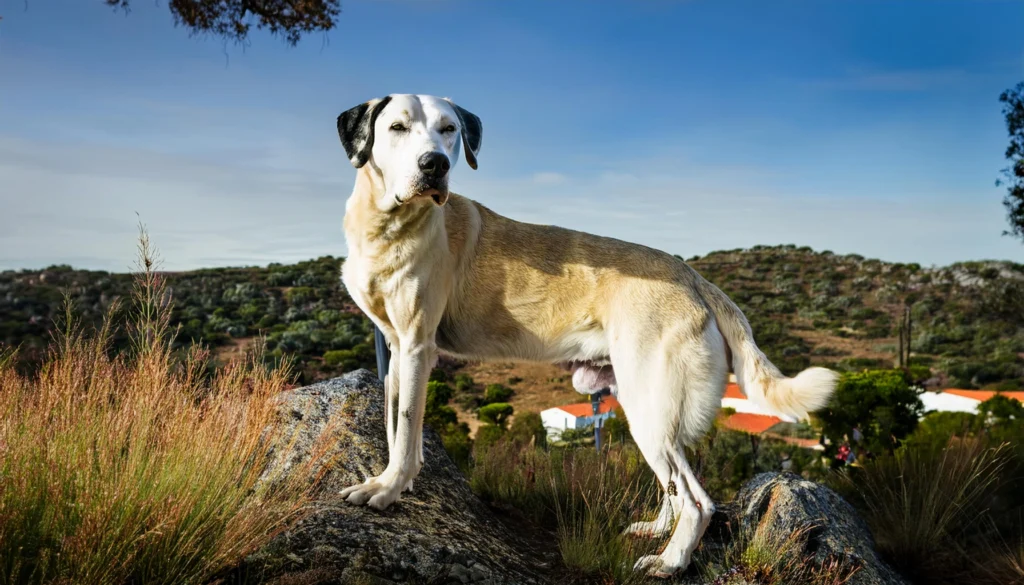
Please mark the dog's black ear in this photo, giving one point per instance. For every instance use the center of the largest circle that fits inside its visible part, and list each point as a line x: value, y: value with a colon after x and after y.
x: 472, y: 133
x: 355, y: 128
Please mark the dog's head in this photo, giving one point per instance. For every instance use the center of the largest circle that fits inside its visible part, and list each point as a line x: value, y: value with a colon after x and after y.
x: 410, y: 142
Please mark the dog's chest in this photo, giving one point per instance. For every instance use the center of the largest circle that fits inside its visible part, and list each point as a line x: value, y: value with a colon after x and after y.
x: 365, y: 286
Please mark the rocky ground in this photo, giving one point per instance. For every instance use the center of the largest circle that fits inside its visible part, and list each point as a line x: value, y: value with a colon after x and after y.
x: 443, y: 534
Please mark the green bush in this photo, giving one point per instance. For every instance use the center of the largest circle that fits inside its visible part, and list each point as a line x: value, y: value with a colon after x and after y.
x: 464, y: 383
x: 496, y: 413
x: 880, y: 403
x: 496, y: 393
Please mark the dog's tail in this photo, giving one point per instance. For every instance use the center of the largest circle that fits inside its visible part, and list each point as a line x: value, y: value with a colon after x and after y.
x: 759, y: 379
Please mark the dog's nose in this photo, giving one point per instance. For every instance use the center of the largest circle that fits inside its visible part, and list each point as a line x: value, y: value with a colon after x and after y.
x: 435, y: 164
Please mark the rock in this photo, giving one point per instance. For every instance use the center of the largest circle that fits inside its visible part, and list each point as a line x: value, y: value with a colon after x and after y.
x: 784, y: 502
x: 440, y: 533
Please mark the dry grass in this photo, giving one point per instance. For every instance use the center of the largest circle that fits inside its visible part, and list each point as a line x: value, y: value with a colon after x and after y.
x: 587, y: 497
x: 768, y: 556
x: 138, y: 468
x: 928, y: 511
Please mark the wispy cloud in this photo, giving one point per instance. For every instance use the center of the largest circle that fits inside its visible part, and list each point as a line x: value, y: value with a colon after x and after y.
x: 549, y: 178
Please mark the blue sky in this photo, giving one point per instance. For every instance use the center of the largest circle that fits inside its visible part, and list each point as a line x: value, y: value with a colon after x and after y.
x: 860, y: 127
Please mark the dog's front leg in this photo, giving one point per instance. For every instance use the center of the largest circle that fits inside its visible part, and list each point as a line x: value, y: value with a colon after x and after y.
x: 391, y: 405
x: 415, y: 360
x: 391, y: 398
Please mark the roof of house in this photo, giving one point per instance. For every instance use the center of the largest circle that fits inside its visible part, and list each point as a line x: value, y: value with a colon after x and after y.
x: 754, y: 424
x: 983, y: 395
x: 805, y: 443
x: 583, y: 409
x: 732, y: 390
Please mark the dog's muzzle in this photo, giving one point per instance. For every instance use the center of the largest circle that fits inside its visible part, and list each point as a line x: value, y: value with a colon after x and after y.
x: 434, y: 167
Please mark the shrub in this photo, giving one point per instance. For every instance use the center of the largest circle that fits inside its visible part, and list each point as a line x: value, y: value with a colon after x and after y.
x: 496, y: 393
x: 496, y: 413
x: 464, y: 383
x: 438, y: 394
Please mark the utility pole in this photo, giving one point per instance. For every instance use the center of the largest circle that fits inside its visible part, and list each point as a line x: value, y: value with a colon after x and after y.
x: 380, y: 346
x: 595, y: 404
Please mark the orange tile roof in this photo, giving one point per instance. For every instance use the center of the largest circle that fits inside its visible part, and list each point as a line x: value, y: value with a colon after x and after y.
x: 983, y: 395
x: 805, y: 443
x: 754, y: 424
x: 733, y: 391
x: 583, y: 409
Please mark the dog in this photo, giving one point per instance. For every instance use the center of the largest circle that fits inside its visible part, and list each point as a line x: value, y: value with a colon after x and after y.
x: 438, y: 272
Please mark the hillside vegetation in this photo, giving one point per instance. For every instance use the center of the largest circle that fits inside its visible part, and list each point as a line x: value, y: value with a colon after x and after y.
x: 806, y: 307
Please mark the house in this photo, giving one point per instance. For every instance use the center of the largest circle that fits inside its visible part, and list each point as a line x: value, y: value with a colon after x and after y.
x: 577, y: 416
x: 755, y: 424
x: 754, y: 419
x: 957, y: 400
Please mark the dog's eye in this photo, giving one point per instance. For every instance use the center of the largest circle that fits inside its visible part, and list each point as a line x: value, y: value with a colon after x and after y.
x: 449, y: 128
x: 397, y: 127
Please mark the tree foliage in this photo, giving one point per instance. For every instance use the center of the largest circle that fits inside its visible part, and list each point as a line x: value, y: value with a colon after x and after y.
x: 234, y: 19
x: 496, y: 414
x: 1013, y: 111
x: 878, y: 403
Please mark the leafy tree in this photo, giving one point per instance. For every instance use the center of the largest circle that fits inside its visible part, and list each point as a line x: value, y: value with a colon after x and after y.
x: 496, y: 414
x: 880, y: 404
x: 1001, y: 410
x: 234, y: 19
x: 937, y: 428
x: 1013, y: 111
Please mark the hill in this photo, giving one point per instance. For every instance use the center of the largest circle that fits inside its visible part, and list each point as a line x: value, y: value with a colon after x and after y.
x: 966, y: 320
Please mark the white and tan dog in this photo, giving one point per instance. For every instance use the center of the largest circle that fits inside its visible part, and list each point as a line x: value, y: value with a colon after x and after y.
x: 437, y: 272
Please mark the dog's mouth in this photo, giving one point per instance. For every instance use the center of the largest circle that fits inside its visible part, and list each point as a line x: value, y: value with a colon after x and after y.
x: 438, y: 194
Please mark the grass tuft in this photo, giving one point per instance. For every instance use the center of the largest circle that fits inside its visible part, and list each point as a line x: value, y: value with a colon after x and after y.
x: 927, y: 507
x: 141, y: 467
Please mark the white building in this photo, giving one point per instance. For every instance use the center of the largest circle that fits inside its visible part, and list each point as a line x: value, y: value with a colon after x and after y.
x: 956, y: 400
x: 577, y: 416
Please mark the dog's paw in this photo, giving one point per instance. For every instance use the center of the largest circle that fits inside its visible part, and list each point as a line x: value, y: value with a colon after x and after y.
x: 655, y: 566
x: 647, y: 529
x: 376, y: 492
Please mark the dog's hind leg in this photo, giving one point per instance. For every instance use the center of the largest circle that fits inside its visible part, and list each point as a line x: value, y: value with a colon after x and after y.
x: 673, y: 395
x: 696, y: 509
x: 660, y: 526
